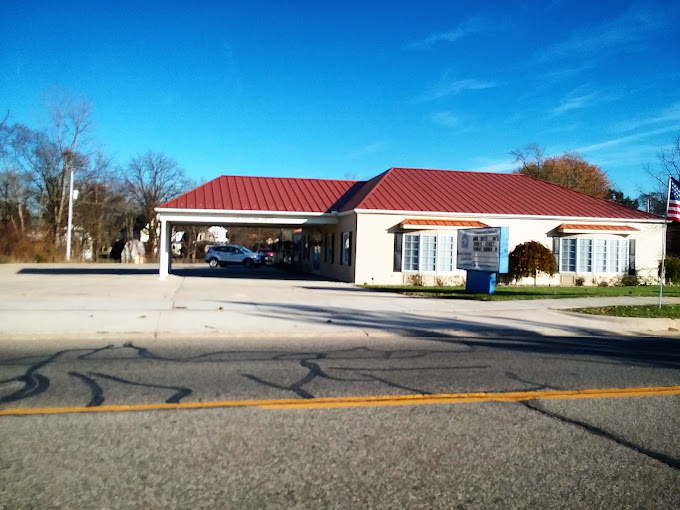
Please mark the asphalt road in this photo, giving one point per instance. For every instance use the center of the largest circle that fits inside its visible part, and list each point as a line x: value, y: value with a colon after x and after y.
x: 564, y: 453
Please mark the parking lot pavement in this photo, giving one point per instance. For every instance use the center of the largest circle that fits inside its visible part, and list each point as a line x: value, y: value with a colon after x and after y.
x: 104, y: 301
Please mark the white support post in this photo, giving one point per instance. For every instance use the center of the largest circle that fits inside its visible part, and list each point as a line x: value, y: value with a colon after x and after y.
x: 168, y: 244
x: 164, y: 251
x: 69, y: 226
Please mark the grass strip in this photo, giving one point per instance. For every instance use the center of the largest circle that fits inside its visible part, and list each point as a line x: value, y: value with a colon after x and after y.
x: 508, y: 292
x: 639, y: 311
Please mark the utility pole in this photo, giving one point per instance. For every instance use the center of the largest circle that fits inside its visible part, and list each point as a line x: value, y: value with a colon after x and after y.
x: 70, y: 219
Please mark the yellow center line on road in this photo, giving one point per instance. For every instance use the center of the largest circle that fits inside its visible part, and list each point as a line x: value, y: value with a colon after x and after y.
x: 366, y: 401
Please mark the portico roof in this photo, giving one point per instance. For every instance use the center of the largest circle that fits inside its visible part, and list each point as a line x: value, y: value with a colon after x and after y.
x: 273, y: 194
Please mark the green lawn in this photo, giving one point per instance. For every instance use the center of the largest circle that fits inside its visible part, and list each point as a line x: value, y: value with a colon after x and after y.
x: 527, y: 292
x: 641, y: 311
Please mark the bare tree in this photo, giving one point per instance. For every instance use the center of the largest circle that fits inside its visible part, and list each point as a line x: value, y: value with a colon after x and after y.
x: 14, y: 182
x: 670, y: 159
x: 37, y: 164
x: 669, y: 165
x: 71, y: 123
x: 34, y: 181
x: 190, y: 243
x: 48, y: 180
x: 150, y: 180
x: 531, y: 159
x: 99, y: 213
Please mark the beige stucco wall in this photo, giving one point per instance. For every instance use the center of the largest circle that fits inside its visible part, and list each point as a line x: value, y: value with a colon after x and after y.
x: 374, y: 246
x: 335, y: 270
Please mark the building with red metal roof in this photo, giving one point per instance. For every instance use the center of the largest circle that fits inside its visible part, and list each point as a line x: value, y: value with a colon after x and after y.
x: 404, y: 222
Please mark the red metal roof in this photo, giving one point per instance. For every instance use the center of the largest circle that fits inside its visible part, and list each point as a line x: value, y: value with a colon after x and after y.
x: 403, y: 189
x: 239, y: 193
x: 411, y: 189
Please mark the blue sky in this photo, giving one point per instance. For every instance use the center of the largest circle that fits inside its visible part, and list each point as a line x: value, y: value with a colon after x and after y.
x: 349, y: 89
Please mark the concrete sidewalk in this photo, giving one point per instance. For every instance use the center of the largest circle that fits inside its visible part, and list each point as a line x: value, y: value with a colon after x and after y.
x: 125, y: 302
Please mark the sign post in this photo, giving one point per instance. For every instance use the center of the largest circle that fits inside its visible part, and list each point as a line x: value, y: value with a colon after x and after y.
x: 482, y: 252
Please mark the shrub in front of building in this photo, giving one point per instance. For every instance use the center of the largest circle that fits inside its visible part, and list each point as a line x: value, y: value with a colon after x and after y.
x: 529, y: 259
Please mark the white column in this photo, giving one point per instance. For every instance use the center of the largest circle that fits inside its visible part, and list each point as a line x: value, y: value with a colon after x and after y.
x: 164, y: 251
x: 168, y: 243
x: 69, y: 227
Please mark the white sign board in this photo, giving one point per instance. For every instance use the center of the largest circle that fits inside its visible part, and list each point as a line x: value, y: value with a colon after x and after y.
x: 483, y: 249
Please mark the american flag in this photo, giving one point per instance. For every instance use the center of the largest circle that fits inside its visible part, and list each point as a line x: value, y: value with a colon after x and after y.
x: 674, y: 201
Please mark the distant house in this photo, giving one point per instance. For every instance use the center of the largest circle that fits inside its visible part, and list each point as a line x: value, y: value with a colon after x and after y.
x: 211, y: 235
x: 404, y: 222
x: 214, y: 234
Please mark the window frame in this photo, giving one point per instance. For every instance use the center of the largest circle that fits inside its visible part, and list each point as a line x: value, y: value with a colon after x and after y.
x: 600, y: 256
x: 428, y: 253
x: 580, y: 243
x: 566, y: 252
x: 610, y: 256
x: 407, y: 257
x: 411, y: 238
x: 441, y: 253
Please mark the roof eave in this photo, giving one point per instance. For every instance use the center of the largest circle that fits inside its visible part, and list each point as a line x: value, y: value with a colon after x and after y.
x: 506, y: 216
x: 241, y: 212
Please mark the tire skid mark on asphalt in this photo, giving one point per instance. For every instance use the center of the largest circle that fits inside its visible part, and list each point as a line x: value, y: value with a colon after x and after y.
x: 368, y: 401
x: 181, y: 391
x: 96, y: 391
x: 35, y: 383
x: 315, y: 371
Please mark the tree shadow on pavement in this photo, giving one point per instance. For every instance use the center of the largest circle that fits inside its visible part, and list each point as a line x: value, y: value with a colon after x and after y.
x: 240, y: 272
x: 94, y: 270
x: 186, y: 271
x: 516, y: 335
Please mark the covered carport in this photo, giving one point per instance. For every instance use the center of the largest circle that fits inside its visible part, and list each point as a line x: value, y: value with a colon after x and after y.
x: 253, y: 202
x: 170, y: 218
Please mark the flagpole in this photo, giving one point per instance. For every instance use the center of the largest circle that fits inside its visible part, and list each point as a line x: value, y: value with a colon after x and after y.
x: 663, y: 256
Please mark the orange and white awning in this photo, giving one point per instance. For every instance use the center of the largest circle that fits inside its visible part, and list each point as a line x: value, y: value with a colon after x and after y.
x: 419, y: 224
x: 582, y: 228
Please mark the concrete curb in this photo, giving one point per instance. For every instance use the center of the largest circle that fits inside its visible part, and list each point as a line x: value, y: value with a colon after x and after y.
x: 199, y: 324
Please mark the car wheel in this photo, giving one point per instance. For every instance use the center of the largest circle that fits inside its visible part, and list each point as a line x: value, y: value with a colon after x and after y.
x: 248, y: 263
x: 213, y: 262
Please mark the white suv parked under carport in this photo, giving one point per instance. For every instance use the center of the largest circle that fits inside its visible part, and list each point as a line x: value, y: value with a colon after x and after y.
x: 221, y: 255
